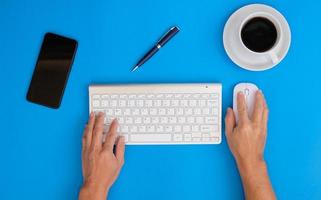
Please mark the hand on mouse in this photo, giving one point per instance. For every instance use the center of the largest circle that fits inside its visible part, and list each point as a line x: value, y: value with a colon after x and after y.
x: 101, y: 166
x: 246, y: 140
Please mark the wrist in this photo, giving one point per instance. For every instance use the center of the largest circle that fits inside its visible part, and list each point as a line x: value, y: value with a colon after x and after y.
x: 93, y: 191
x: 253, y: 166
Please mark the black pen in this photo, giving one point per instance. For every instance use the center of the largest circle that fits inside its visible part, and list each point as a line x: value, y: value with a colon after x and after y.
x: 159, y: 45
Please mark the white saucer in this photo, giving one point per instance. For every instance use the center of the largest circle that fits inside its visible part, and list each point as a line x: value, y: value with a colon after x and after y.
x: 239, y: 53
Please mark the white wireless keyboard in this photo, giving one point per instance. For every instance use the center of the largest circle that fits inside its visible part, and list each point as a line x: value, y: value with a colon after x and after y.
x: 161, y: 113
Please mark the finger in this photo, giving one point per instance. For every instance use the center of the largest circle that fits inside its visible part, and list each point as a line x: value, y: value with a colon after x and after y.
x: 98, y: 131
x: 242, y: 108
x: 264, y: 101
x: 120, y: 150
x: 87, y: 135
x: 229, y: 122
x: 111, y: 136
x: 258, y: 107
x: 265, y: 120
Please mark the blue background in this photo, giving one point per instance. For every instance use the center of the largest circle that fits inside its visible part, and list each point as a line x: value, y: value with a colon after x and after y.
x: 40, y: 147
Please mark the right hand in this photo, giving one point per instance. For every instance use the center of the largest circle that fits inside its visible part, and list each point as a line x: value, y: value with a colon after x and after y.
x: 247, y: 138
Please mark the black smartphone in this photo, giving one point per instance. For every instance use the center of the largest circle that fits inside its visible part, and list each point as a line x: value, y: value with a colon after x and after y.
x: 52, y: 70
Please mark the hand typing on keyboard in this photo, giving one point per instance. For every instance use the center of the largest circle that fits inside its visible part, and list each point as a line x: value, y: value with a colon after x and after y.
x: 246, y: 141
x: 100, y: 164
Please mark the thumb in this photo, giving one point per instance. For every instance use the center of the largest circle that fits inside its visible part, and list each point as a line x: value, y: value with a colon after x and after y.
x: 229, y: 122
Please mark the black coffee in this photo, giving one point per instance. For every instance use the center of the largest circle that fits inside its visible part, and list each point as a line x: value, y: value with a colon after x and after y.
x: 259, y: 34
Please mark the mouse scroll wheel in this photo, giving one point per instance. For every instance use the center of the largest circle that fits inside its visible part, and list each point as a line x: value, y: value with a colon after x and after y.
x: 246, y: 92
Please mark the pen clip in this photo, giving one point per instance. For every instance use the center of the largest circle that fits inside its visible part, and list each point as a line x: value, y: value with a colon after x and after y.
x: 167, y: 36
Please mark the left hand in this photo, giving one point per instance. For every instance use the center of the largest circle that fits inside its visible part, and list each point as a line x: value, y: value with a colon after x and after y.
x: 101, y: 166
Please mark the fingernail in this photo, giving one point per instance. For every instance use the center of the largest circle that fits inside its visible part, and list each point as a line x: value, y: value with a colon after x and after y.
x: 101, y: 114
x: 92, y: 114
x: 240, y: 93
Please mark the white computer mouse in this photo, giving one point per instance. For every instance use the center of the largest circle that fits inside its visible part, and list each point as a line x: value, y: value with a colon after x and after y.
x: 249, y: 90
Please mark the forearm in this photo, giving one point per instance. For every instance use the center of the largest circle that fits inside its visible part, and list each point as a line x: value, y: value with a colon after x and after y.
x: 256, y: 182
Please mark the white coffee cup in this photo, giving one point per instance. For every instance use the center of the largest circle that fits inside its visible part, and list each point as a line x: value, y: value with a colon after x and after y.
x: 272, y: 52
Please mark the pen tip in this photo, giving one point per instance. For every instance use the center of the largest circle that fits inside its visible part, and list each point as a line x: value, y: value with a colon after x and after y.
x: 134, y: 68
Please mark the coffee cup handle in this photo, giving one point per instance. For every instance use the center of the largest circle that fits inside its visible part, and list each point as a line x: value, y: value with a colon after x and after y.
x: 274, y: 57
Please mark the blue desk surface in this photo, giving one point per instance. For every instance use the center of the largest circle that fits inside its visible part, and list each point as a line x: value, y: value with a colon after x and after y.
x: 40, y: 147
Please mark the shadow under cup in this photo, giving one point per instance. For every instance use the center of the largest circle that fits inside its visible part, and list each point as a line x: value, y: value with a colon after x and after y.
x: 259, y: 34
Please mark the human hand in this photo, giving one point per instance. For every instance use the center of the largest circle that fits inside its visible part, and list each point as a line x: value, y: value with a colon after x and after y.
x: 247, y: 138
x: 246, y: 141
x: 101, y: 166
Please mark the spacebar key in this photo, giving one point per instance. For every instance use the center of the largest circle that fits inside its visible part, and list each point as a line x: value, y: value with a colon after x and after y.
x: 157, y: 138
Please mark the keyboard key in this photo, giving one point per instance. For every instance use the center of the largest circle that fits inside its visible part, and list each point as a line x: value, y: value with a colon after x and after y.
x: 166, y: 103
x: 105, y: 96
x: 151, y: 129
x: 175, y: 103
x: 153, y: 111
x: 197, y: 111
x: 96, y: 103
x: 196, y: 128
x: 184, y: 103
x: 133, y: 129
x: 186, y: 128
x: 172, y: 120
x: 163, y: 120
x: 189, y: 111
x: 182, y: 120
x: 113, y: 103
x: 109, y: 112
x: 192, y: 103
x: 199, y: 120
x: 162, y: 111
x: 104, y: 103
x: 210, y: 120
x: 149, y: 103
x: 159, y: 129
x: 190, y: 120
x: 177, y: 129
x: 144, y: 111
x: 96, y: 96
x: 187, y: 137
x: 141, y: 138
x: 122, y: 103
x: 168, y: 129
x: 146, y: 120
x: 202, y: 103
x: 128, y: 120
x: 127, y: 112
x: 157, y: 103
x: 197, y: 134
x: 178, y: 137
x: 118, y: 112
x: 142, y: 129
x: 170, y: 111
x: 207, y: 128
x: 155, y: 120
x: 180, y: 111
x: 138, y: 120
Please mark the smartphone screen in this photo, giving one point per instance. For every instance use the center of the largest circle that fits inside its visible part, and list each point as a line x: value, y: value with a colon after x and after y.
x: 52, y: 70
